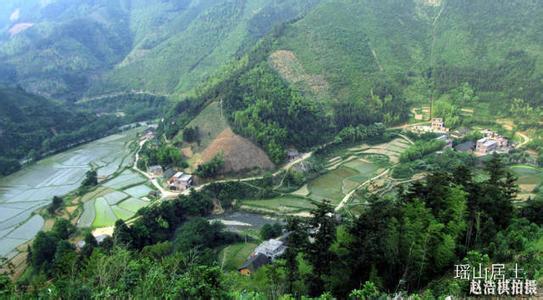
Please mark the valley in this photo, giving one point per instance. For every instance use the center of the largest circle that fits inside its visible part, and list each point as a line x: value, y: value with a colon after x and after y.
x: 258, y: 149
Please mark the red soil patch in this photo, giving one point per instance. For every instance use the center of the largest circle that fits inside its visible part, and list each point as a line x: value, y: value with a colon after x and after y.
x: 187, y: 152
x: 239, y: 153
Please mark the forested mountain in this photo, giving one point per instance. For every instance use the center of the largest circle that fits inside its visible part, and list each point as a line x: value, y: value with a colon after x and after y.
x: 347, y: 63
x: 65, y: 49
x: 31, y: 126
x: 334, y: 49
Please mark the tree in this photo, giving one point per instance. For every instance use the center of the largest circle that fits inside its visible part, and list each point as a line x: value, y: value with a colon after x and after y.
x: 63, y: 229
x: 91, y: 179
x: 533, y: 210
x: 200, y: 282
x: 211, y: 168
x: 43, y: 250
x: 56, y: 203
x: 368, y: 291
x: 500, y: 190
x: 269, y: 231
x: 199, y: 233
x: 122, y: 235
x: 65, y: 259
x: 90, y: 244
x: 191, y: 135
x: 323, y: 231
x: 297, y: 242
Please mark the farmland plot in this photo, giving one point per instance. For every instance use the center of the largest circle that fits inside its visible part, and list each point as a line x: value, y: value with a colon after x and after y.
x: 34, y: 186
x: 529, y: 179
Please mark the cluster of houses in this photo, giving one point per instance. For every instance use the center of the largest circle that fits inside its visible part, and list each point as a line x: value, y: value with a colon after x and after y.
x: 180, y: 182
x: 264, y: 254
x: 490, y: 143
x: 177, y: 181
x: 436, y: 126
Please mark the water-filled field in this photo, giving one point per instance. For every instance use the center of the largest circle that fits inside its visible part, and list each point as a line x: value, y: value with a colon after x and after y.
x: 107, y: 204
x: 34, y: 186
x: 284, y: 204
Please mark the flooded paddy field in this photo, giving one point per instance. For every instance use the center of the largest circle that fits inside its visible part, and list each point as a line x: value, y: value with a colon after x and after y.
x: 33, y: 187
x: 239, y: 221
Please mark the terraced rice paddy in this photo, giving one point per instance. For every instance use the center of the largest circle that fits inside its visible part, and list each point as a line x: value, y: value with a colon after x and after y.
x: 117, y: 199
x: 529, y: 179
x: 286, y: 204
x: 33, y: 187
x: 348, y: 169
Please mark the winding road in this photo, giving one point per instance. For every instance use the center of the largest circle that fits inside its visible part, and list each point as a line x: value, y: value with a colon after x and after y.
x: 165, y: 194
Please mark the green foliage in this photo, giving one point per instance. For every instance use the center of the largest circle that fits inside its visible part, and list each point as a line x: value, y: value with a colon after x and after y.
x: 91, y: 179
x: 199, y: 233
x: 420, y: 149
x: 56, y: 203
x: 262, y: 107
x: 43, y: 250
x: 33, y: 126
x: 211, y: 168
x: 164, y: 155
x: 269, y: 231
x: 191, y: 135
x: 63, y: 229
x: 368, y: 291
x: 450, y: 113
x: 361, y: 133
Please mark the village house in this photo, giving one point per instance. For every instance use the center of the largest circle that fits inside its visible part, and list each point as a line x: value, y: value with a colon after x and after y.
x: 492, y: 142
x: 293, y: 154
x: 465, y: 147
x: 156, y: 170
x: 271, y: 248
x: 253, y: 264
x: 180, y: 181
x: 486, y: 146
x: 264, y: 254
x: 438, y: 125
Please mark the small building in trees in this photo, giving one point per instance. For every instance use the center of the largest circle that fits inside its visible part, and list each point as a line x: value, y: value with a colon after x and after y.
x: 486, y: 146
x: 292, y: 154
x: 180, y: 181
x: 271, y: 248
x: 438, y: 125
x: 156, y: 170
x: 252, y: 264
x: 264, y: 254
x: 468, y: 147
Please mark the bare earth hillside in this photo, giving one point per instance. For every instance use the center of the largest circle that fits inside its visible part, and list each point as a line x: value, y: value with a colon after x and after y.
x: 239, y: 153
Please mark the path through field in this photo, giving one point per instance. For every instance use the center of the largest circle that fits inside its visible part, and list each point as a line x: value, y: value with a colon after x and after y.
x: 348, y: 196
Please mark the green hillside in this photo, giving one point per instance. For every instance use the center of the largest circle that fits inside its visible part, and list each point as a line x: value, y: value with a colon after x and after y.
x: 493, y: 45
x: 32, y: 126
x: 66, y: 49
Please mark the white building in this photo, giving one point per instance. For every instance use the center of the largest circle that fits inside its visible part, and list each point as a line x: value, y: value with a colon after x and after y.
x: 180, y: 181
x: 271, y: 248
